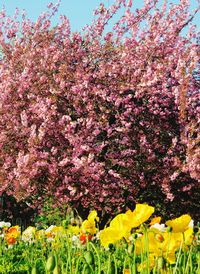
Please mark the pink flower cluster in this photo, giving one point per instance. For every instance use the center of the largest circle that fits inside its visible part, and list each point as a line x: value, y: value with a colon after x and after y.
x: 93, y: 118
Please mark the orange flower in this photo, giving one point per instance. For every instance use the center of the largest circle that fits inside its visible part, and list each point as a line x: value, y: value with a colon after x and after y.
x: 84, y: 238
x: 12, y: 234
x: 11, y: 240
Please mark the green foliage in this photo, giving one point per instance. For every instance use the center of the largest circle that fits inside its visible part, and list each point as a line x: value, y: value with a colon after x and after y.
x: 53, y: 215
x: 66, y: 257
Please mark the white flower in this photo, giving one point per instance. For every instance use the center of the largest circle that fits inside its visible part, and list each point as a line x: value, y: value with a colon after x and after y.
x: 74, y: 238
x: 29, y: 234
x: 160, y: 227
x: 4, y: 224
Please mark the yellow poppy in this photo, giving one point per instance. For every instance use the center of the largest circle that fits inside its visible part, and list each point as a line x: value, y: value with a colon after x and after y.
x: 58, y: 231
x: 73, y: 229
x: 171, y: 257
x: 180, y: 224
x: 160, y: 245
x: 122, y: 224
x: 171, y: 244
x: 188, y: 236
x: 40, y: 234
x: 141, y: 213
x: 109, y: 235
x: 147, y: 242
x: 89, y: 225
x: 93, y: 216
x: 55, y: 232
x: 143, y: 266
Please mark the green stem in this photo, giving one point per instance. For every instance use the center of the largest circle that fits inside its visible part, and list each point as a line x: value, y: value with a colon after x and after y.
x: 98, y: 257
x: 188, y: 261
x: 179, y: 254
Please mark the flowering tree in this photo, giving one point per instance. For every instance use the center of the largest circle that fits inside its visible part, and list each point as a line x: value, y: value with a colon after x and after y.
x: 97, y: 118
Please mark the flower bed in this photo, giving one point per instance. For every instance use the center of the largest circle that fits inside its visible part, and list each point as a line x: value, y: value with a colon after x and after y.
x: 133, y: 242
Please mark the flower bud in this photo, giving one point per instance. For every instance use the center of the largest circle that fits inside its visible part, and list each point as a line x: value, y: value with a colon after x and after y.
x: 56, y: 270
x: 169, y: 229
x: 130, y: 249
x: 34, y: 270
x: 51, y: 262
x: 89, y: 257
x: 160, y: 263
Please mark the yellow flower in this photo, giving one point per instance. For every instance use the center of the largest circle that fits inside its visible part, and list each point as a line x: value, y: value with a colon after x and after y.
x: 160, y: 245
x: 141, y: 213
x: 170, y: 245
x: 121, y: 223
x: 58, y: 231
x: 93, y: 216
x: 188, y: 236
x: 73, y: 229
x: 89, y: 225
x: 120, y: 227
x: 40, y: 234
x: 143, y: 266
x: 55, y: 232
x: 165, y: 244
x: 127, y: 221
x: 180, y: 224
x: 109, y: 235
x: 149, y: 242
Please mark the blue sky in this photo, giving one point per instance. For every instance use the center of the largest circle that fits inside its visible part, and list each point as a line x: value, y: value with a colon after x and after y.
x: 79, y: 12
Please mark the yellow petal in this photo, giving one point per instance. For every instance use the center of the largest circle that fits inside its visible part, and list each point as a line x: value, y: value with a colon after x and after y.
x: 171, y: 258
x: 72, y: 229
x: 89, y: 227
x: 155, y: 220
x: 120, y: 221
x: 122, y: 224
x: 172, y: 241
x: 179, y: 224
x: 141, y: 213
x: 143, y: 266
x: 189, y: 236
x: 93, y: 216
x: 147, y: 242
x: 109, y: 236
